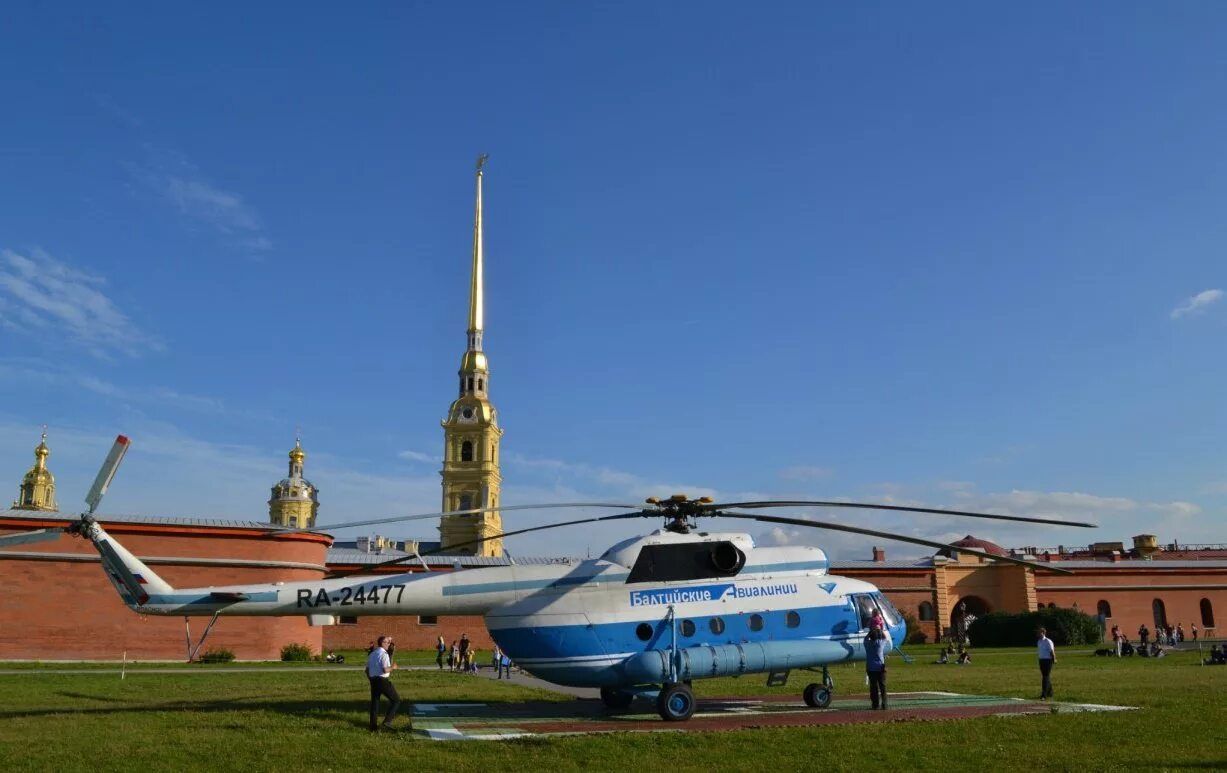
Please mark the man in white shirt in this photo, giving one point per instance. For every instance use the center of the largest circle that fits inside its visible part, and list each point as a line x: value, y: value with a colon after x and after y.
x: 379, y: 668
x: 1048, y: 656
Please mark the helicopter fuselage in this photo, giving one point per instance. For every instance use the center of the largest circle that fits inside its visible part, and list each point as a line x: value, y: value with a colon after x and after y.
x: 661, y: 608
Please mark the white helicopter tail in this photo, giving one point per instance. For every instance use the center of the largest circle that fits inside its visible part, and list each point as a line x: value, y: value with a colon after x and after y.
x: 132, y: 578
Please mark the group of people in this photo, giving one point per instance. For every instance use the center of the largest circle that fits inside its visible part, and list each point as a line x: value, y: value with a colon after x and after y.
x: 1147, y: 647
x: 463, y: 657
x: 1218, y: 656
x: 962, y: 658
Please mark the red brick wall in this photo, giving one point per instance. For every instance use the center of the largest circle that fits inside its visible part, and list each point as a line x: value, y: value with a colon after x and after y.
x: 1131, y: 592
x: 61, y: 609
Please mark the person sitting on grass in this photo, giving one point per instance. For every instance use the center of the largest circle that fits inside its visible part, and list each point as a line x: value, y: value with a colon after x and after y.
x: 964, y: 657
x: 943, y: 658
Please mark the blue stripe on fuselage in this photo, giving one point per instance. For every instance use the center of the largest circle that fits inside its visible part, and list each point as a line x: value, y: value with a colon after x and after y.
x: 577, y: 641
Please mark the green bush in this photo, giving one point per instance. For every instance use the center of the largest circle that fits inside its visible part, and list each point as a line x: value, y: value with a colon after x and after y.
x: 914, y: 634
x: 296, y: 652
x: 1065, y: 626
x: 216, y: 656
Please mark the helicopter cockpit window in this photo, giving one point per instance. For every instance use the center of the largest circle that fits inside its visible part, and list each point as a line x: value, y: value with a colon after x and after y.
x: 865, y: 608
x: 687, y: 628
x: 889, y: 613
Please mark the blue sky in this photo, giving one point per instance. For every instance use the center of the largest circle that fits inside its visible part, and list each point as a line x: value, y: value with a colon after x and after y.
x: 963, y: 255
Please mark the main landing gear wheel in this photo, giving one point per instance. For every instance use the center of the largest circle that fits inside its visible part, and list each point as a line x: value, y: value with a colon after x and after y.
x: 675, y: 703
x: 817, y: 696
x: 616, y: 699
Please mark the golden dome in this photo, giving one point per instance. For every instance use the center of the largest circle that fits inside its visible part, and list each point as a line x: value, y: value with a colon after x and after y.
x: 37, y: 490
x: 296, y: 453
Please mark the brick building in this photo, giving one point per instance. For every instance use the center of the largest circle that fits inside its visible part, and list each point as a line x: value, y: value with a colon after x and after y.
x: 60, y: 606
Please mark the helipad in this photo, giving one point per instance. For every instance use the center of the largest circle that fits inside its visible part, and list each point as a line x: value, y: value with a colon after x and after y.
x: 498, y: 721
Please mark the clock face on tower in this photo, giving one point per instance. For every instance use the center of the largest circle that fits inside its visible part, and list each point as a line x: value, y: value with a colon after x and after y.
x: 466, y: 414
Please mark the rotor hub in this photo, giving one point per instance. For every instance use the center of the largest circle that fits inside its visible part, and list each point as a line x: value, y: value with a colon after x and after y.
x: 681, y: 512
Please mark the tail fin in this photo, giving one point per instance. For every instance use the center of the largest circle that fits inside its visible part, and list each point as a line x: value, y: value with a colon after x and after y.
x: 134, y: 581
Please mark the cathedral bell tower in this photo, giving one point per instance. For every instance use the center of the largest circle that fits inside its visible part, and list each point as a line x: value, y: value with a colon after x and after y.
x: 295, y: 501
x: 37, y: 490
x: 471, y: 479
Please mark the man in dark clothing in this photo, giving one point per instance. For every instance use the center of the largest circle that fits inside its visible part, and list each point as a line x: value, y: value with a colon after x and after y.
x: 877, y: 644
x: 379, y: 668
x: 1047, y: 653
x: 464, y: 652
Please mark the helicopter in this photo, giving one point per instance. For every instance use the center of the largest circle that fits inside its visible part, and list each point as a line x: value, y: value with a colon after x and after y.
x: 644, y: 620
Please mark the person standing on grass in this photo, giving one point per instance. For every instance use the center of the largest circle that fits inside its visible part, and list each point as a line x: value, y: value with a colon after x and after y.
x: 1047, y: 652
x: 877, y: 644
x: 379, y: 668
x: 440, y: 648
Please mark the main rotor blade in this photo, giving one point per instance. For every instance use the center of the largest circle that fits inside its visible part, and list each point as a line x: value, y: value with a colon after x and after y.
x: 27, y: 537
x: 898, y: 508
x: 512, y: 533
x: 886, y: 535
x: 422, y: 516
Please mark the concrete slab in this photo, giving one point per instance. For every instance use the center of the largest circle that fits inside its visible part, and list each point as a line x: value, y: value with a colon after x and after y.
x: 500, y: 721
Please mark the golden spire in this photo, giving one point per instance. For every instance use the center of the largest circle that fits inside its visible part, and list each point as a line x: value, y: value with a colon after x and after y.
x: 476, y: 291
x: 37, y: 490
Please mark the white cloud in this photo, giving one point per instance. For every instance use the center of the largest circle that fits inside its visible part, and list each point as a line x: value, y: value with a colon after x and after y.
x: 628, y: 485
x: 418, y: 456
x: 36, y: 373
x: 224, y: 210
x: 41, y: 293
x: 1197, y: 303
x: 179, y: 182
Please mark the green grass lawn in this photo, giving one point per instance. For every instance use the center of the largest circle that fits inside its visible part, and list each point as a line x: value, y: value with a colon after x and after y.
x: 315, y: 720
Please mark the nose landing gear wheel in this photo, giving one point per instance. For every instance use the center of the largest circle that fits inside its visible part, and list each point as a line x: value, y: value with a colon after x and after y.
x: 675, y: 703
x: 616, y: 699
x: 817, y: 696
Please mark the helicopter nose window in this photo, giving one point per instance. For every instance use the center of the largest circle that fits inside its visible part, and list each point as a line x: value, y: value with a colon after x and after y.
x: 716, y: 625
x: 688, y: 628
x: 793, y: 620
x: 756, y: 622
x: 643, y: 631
x: 889, y: 612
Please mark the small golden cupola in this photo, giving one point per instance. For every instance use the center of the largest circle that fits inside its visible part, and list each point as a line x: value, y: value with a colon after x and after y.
x: 295, y: 501
x: 38, y: 486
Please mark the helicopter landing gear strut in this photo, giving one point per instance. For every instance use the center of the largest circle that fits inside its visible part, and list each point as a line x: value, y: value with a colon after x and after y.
x: 187, y: 632
x: 817, y: 695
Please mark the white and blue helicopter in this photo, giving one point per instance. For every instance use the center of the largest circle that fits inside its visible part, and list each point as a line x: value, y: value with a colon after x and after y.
x: 644, y: 619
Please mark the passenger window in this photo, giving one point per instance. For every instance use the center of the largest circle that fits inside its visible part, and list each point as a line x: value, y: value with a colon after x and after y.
x: 643, y: 631
x: 756, y: 622
x: 793, y: 620
x: 687, y: 628
x: 716, y: 625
